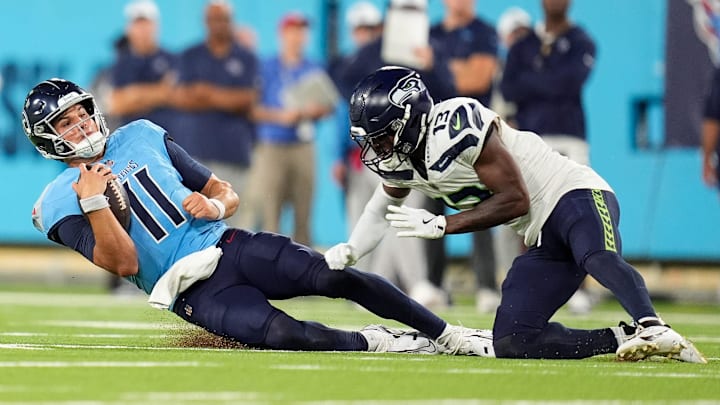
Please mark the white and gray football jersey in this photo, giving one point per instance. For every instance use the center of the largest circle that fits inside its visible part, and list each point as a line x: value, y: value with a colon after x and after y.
x: 456, y: 135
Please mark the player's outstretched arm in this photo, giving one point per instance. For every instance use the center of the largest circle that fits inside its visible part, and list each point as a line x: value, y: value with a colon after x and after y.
x: 368, y: 231
x: 510, y: 199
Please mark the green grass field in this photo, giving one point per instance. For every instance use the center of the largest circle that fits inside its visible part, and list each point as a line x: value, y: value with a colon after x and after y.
x: 74, y: 346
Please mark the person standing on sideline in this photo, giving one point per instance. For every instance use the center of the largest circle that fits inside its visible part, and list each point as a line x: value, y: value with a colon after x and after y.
x: 284, y: 170
x: 143, y: 75
x: 544, y: 76
x: 217, y: 88
x: 471, y: 45
x: 463, y: 153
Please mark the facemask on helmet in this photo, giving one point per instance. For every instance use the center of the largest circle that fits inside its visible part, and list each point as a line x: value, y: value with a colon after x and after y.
x: 45, y: 105
x: 388, y: 114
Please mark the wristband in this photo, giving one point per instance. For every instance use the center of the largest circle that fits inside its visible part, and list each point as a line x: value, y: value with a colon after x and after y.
x: 220, y: 207
x: 94, y: 203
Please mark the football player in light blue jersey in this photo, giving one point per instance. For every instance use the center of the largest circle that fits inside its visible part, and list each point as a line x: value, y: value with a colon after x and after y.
x: 179, y: 250
x: 462, y: 153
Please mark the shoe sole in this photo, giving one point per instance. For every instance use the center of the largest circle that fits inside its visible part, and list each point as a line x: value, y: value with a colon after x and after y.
x: 651, y: 349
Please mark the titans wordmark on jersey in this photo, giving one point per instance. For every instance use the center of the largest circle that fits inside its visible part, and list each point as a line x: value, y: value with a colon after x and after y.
x: 456, y: 136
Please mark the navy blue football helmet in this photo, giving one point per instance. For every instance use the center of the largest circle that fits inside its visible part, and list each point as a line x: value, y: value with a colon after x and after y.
x: 389, y: 112
x: 49, y: 100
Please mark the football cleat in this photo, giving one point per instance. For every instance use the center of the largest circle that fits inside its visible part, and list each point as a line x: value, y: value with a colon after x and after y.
x: 387, y: 340
x: 624, y: 331
x: 659, y: 341
x: 466, y: 341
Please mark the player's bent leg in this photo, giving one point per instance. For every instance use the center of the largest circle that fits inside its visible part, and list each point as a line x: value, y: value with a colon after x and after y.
x: 537, y: 285
x: 626, y: 284
x: 380, y: 297
x: 242, y: 313
x: 556, y: 342
x: 281, y: 269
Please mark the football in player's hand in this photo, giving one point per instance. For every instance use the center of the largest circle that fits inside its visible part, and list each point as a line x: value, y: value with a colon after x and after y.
x: 119, y: 202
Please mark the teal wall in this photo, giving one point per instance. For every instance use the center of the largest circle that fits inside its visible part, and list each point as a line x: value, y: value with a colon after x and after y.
x: 667, y: 214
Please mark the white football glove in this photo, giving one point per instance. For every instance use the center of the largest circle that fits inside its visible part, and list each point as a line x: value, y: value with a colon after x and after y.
x: 416, y: 222
x: 340, y: 256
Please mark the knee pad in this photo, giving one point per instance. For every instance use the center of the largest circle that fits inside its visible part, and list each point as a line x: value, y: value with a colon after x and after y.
x: 513, y: 346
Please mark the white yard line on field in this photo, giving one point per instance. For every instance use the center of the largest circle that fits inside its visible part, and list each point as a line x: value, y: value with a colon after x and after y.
x: 118, y: 325
x: 56, y: 300
x: 85, y: 335
x: 103, y: 364
x: 32, y: 346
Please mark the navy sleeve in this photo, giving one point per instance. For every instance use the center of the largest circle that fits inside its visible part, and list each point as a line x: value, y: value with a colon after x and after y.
x: 75, y: 232
x: 194, y: 174
x: 712, y: 101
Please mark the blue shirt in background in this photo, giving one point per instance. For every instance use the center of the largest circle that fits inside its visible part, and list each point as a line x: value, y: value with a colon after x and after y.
x: 214, y: 135
x: 276, y: 79
x: 546, y: 82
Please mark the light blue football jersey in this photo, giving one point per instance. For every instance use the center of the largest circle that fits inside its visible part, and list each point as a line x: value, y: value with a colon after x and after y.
x: 162, y: 231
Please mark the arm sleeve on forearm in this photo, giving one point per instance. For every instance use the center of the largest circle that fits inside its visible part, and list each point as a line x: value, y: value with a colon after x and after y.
x: 371, y: 226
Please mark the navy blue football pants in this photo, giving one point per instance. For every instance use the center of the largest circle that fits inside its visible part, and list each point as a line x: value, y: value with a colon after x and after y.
x: 256, y: 267
x: 580, y: 237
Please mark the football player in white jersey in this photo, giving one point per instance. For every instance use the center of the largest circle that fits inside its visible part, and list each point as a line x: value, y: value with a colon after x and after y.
x: 463, y: 153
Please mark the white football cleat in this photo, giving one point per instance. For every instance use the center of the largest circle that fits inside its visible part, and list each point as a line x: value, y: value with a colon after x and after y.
x: 465, y: 341
x: 387, y: 340
x: 659, y: 341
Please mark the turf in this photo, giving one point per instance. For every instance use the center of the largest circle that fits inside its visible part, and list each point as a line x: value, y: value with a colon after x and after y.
x: 76, y: 346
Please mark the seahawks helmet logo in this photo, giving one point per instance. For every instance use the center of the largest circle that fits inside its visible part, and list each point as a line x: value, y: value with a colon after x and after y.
x: 405, y: 88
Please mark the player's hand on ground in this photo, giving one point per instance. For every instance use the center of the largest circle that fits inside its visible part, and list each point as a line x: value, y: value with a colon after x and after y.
x: 93, y: 180
x: 416, y: 222
x: 200, y: 206
x: 340, y: 256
